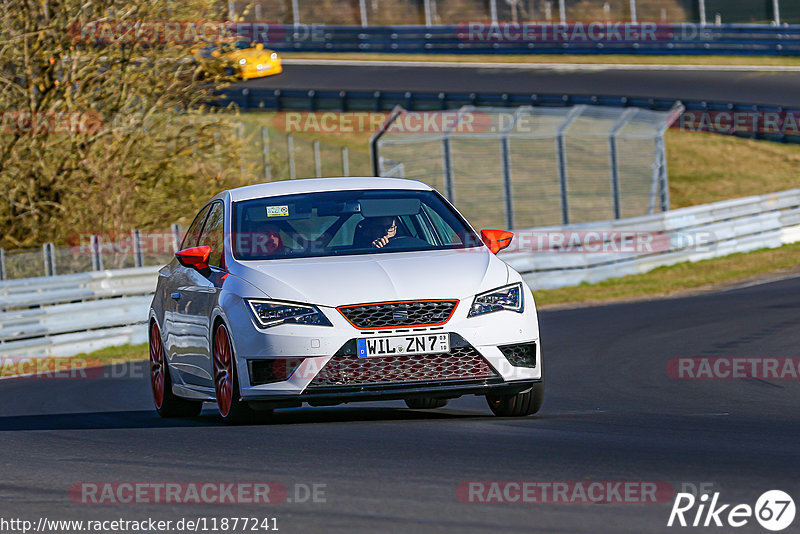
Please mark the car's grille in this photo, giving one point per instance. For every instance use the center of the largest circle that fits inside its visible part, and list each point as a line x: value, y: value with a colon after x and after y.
x: 461, y: 363
x: 399, y: 314
x: 521, y: 354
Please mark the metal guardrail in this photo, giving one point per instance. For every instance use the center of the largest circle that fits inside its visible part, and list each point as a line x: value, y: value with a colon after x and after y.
x: 71, y: 314
x: 483, y: 37
x: 248, y: 99
x: 687, y: 234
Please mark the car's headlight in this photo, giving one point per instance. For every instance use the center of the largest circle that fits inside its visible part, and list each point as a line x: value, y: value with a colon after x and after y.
x: 502, y: 298
x: 272, y: 313
x: 242, y: 61
x: 273, y: 56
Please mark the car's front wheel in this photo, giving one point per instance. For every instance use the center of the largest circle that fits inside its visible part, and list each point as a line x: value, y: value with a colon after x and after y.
x: 167, y: 403
x: 226, y: 380
x: 518, y: 405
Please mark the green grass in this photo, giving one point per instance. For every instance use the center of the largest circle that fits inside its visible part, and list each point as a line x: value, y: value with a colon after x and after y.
x: 681, y: 278
x: 623, y: 59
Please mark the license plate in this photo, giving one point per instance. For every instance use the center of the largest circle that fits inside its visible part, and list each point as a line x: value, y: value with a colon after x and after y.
x: 403, y: 345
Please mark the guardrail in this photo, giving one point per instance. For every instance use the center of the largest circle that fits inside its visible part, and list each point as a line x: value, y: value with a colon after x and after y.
x: 70, y: 314
x: 74, y: 313
x: 249, y: 99
x: 687, y: 234
x: 482, y: 37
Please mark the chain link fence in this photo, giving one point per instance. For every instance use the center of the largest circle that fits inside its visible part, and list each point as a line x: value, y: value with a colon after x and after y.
x: 433, y: 12
x: 534, y: 167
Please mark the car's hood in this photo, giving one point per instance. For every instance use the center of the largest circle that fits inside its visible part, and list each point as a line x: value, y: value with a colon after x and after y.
x: 335, y: 281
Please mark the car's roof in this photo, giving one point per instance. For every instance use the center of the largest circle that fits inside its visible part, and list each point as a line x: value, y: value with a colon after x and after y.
x: 314, y: 185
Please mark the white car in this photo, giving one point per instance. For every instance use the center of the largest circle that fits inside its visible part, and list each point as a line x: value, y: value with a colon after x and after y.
x: 336, y: 290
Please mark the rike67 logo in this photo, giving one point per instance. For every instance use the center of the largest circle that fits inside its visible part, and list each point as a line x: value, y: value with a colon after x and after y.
x: 774, y: 510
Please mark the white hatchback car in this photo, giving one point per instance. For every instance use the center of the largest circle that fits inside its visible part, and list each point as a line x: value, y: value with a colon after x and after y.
x: 336, y: 290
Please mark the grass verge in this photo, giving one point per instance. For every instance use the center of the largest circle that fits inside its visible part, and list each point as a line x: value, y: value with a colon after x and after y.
x: 68, y: 367
x: 683, y: 278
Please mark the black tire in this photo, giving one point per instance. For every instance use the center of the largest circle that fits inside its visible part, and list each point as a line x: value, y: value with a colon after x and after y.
x: 232, y: 409
x: 518, y: 405
x: 166, y: 402
x: 425, y: 403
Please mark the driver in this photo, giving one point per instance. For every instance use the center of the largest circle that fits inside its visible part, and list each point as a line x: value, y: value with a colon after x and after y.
x: 270, y: 242
x: 383, y: 229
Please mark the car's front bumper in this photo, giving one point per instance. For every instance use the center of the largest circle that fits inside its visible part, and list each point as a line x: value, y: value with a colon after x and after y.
x: 318, y: 345
x: 344, y: 394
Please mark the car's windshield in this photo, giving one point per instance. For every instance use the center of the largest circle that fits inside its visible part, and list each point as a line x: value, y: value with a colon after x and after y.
x: 346, y: 222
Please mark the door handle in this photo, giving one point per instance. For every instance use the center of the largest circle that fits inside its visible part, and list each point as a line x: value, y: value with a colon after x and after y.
x: 176, y: 296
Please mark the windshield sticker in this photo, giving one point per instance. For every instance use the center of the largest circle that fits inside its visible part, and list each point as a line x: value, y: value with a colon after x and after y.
x: 277, y: 211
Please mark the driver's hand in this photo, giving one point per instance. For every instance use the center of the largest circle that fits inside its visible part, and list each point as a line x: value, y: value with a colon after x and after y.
x: 380, y: 243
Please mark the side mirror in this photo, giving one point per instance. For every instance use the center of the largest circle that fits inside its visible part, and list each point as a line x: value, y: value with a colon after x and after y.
x: 259, y: 46
x: 196, y: 257
x: 496, y: 240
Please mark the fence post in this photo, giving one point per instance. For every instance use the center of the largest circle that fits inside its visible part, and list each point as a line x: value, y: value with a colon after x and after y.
x: 614, y: 159
x: 363, y: 6
x: 138, y: 255
x: 265, y: 149
x: 562, y: 9
x: 776, y: 12
x: 257, y: 9
x: 664, y: 176
x: 48, y: 252
x: 507, y: 189
x: 97, y: 253
x: 317, y: 160
x: 428, y: 16
x: 176, y: 237
x: 345, y: 161
x: 633, y: 12
x: 447, y: 166
x: 290, y: 145
x: 702, y: 8
x: 295, y: 13
x: 231, y: 11
x: 573, y: 114
x: 493, y: 8
x: 2, y: 264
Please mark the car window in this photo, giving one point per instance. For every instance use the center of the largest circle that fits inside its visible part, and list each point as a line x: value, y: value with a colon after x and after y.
x: 193, y: 233
x: 212, y: 235
x: 347, y: 222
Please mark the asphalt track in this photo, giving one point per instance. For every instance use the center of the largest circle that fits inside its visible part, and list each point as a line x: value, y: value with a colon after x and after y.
x: 775, y: 88
x: 611, y: 414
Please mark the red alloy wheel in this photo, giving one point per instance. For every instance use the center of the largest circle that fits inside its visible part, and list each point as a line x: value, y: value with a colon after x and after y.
x: 223, y: 370
x: 157, y: 367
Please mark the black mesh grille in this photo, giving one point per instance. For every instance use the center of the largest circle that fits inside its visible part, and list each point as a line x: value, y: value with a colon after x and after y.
x: 399, y: 314
x: 462, y: 363
x: 520, y: 355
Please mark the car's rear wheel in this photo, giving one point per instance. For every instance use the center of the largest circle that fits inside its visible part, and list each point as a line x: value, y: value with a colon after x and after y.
x: 167, y: 403
x: 425, y: 403
x: 518, y: 405
x: 226, y: 381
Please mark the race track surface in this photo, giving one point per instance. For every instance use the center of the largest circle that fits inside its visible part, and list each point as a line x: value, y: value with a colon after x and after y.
x: 611, y: 414
x: 767, y: 88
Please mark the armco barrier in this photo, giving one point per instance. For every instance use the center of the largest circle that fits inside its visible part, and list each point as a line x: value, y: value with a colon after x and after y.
x: 481, y: 37
x: 71, y: 314
x: 75, y: 313
x: 691, y: 234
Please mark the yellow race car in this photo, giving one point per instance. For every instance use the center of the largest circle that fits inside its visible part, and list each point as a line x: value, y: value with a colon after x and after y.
x: 244, y: 59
